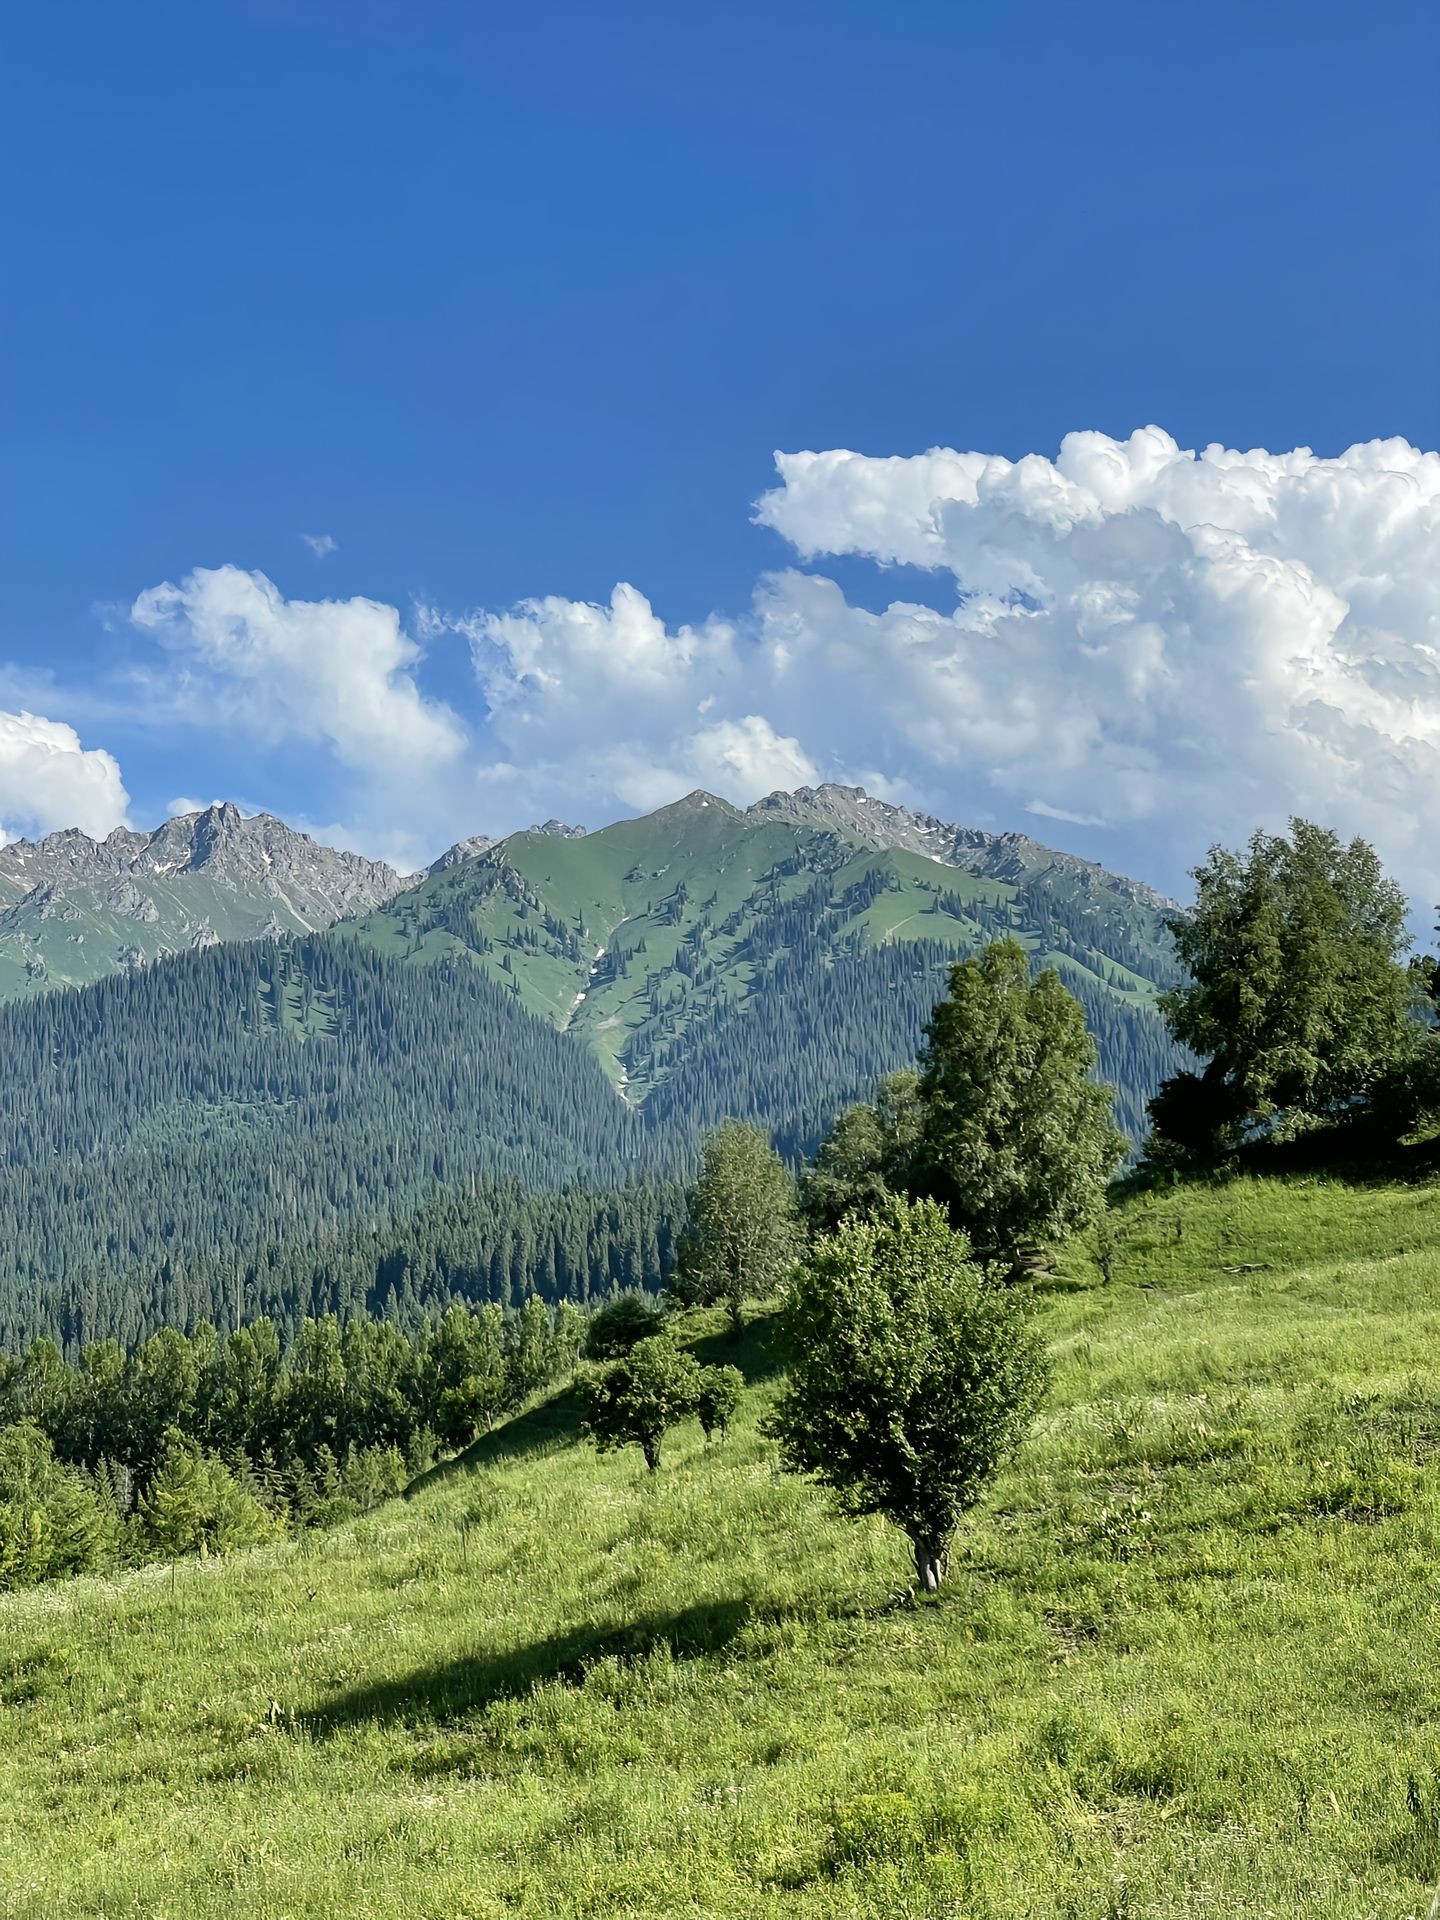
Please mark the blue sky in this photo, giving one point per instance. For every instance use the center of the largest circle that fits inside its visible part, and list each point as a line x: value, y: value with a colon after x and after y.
x: 515, y: 303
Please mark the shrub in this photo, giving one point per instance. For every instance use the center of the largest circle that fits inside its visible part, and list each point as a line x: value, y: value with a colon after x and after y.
x: 719, y: 1396
x: 637, y: 1399
x: 620, y: 1325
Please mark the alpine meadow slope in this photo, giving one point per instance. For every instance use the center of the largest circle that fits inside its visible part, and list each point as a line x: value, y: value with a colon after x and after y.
x: 1186, y: 1663
x: 771, y: 963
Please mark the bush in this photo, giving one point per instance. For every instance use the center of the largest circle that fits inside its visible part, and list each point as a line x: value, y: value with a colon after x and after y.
x: 54, y: 1520
x: 194, y: 1504
x: 620, y: 1325
x: 636, y: 1400
x: 719, y: 1396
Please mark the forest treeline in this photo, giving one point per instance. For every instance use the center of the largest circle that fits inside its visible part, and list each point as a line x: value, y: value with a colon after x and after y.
x: 492, y: 1244
x: 163, y: 1134
x: 200, y: 1443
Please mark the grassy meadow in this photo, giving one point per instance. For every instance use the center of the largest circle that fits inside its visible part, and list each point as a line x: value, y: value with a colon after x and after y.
x: 1188, y: 1662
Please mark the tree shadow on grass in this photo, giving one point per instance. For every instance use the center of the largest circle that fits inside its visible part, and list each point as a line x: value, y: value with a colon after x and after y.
x: 759, y: 1352
x: 553, y: 1424
x: 442, y: 1695
x: 1337, y: 1152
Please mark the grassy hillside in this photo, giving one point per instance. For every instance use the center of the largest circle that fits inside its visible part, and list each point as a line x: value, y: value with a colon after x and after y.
x: 1188, y: 1664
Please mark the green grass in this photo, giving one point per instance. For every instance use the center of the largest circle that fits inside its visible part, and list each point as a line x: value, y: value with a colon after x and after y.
x: 1188, y: 1663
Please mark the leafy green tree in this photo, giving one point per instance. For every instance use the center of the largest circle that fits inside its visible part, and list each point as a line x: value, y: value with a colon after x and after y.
x: 1299, y: 995
x: 912, y: 1378
x: 637, y: 1399
x: 531, y: 1358
x: 238, y: 1391
x: 380, y: 1390
x: 164, y: 1387
x: 619, y: 1325
x: 100, y: 1424
x: 719, y: 1395
x: 743, y: 1232
x: 371, y: 1475
x: 1016, y: 1139
x: 314, y: 1385
x: 568, y: 1339
x: 53, y: 1519
x: 43, y: 1388
x: 869, y: 1154
x: 466, y: 1372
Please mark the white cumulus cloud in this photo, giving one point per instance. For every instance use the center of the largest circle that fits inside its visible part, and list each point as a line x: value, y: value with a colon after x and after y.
x: 604, y: 705
x: 49, y: 780
x: 1151, y: 647
x: 341, y: 676
x: 1194, y: 641
x: 1171, y: 645
x: 336, y: 671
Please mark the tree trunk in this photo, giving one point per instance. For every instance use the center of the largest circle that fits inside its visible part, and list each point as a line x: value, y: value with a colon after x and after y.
x: 650, y: 1447
x: 931, y: 1563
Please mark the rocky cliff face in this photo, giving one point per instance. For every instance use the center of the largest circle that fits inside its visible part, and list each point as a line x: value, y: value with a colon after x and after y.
x: 1013, y: 857
x: 73, y: 908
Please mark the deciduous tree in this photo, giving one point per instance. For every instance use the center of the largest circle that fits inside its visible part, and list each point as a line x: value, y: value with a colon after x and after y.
x: 638, y: 1398
x: 743, y: 1232
x: 912, y: 1378
x: 1299, y: 996
x: 1017, y: 1140
x: 718, y: 1397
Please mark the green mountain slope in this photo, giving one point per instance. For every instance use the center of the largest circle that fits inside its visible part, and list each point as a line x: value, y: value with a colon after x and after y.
x: 74, y: 909
x: 1187, y: 1664
x: 695, y: 951
x: 181, y: 1142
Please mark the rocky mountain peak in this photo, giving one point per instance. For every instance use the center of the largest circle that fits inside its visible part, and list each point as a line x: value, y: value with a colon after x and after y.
x: 469, y: 849
x: 204, y: 875
x: 1001, y: 856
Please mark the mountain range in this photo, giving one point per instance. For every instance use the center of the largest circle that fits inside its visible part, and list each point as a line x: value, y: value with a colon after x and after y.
x: 266, y: 1044
x: 667, y: 942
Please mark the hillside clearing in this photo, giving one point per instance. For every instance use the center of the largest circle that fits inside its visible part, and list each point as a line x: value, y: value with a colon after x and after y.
x: 1188, y: 1663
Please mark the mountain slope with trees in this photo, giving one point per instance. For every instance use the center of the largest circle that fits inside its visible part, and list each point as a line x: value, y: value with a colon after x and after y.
x: 169, y: 1138
x: 1185, y: 1662
x: 773, y: 962
x: 494, y: 1081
